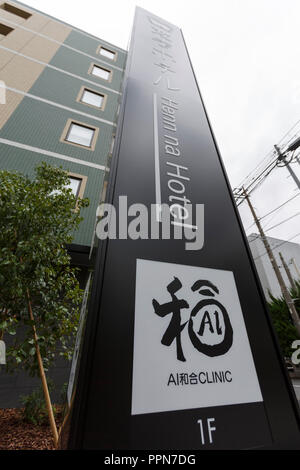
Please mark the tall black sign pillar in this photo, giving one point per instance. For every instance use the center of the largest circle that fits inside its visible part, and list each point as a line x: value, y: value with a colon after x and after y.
x: 178, y: 350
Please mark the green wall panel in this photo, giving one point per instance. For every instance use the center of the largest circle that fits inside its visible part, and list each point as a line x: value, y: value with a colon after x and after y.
x: 63, y: 89
x: 89, y: 45
x: 41, y: 125
x: 79, y: 64
x: 23, y: 161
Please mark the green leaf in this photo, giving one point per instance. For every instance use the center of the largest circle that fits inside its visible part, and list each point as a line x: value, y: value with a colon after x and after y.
x: 34, y: 232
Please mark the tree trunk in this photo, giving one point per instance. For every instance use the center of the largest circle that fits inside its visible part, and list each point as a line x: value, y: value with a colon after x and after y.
x: 43, y: 376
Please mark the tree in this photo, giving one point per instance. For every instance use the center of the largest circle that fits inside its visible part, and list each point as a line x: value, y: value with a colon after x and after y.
x: 283, y: 322
x: 39, y: 291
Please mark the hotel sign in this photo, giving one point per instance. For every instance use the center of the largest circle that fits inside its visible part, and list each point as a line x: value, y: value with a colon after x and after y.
x: 179, y: 351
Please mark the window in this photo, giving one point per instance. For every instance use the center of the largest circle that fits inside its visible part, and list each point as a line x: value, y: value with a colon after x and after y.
x: 77, y: 184
x: 5, y: 30
x: 107, y: 53
x: 100, y: 72
x: 15, y: 11
x: 92, y: 98
x: 74, y: 185
x: 78, y: 133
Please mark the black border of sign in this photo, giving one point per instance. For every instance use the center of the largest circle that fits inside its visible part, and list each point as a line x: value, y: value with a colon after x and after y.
x: 76, y: 420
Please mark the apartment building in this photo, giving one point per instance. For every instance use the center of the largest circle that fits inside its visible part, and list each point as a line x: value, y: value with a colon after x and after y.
x: 60, y: 91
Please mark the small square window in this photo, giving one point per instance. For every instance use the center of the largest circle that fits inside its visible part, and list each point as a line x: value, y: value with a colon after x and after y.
x: 15, y: 11
x: 77, y: 184
x: 5, y: 30
x: 74, y: 185
x: 80, y: 135
x: 107, y: 53
x: 101, y: 72
x: 92, y: 98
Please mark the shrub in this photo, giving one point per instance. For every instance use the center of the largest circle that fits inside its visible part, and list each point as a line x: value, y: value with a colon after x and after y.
x: 282, y: 321
x: 35, y: 410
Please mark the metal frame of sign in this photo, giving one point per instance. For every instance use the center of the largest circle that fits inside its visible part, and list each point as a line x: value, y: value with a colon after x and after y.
x: 161, y: 96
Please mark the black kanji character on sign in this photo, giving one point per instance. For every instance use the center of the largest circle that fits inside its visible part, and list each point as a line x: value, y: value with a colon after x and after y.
x: 209, y: 326
x: 175, y: 328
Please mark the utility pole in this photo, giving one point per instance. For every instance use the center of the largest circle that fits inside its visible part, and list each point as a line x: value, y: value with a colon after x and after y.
x: 296, y: 267
x: 281, y: 158
x: 288, y: 272
x: 285, y: 292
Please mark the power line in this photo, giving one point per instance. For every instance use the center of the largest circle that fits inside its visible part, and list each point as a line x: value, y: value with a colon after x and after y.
x: 279, y: 207
x: 271, y: 218
x: 282, y: 222
x: 293, y: 127
x: 277, y: 246
x: 253, y: 239
x: 257, y: 176
x: 253, y: 223
x: 256, y: 168
x: 247, y: 181
x: 274, y: 210
x: 260, y: 179
x: 285, y: 292
x: 256, y: 180
x: 277, y: 225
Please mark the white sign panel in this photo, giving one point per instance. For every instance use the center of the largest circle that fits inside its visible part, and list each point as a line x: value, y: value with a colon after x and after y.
x: 191, y: 348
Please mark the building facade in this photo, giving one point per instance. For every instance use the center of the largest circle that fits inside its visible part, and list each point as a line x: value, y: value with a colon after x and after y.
x: 291, y: 256
x: 60, y: 92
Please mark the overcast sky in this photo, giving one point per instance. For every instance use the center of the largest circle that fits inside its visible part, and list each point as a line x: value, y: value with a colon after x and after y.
x: 246, y: 58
